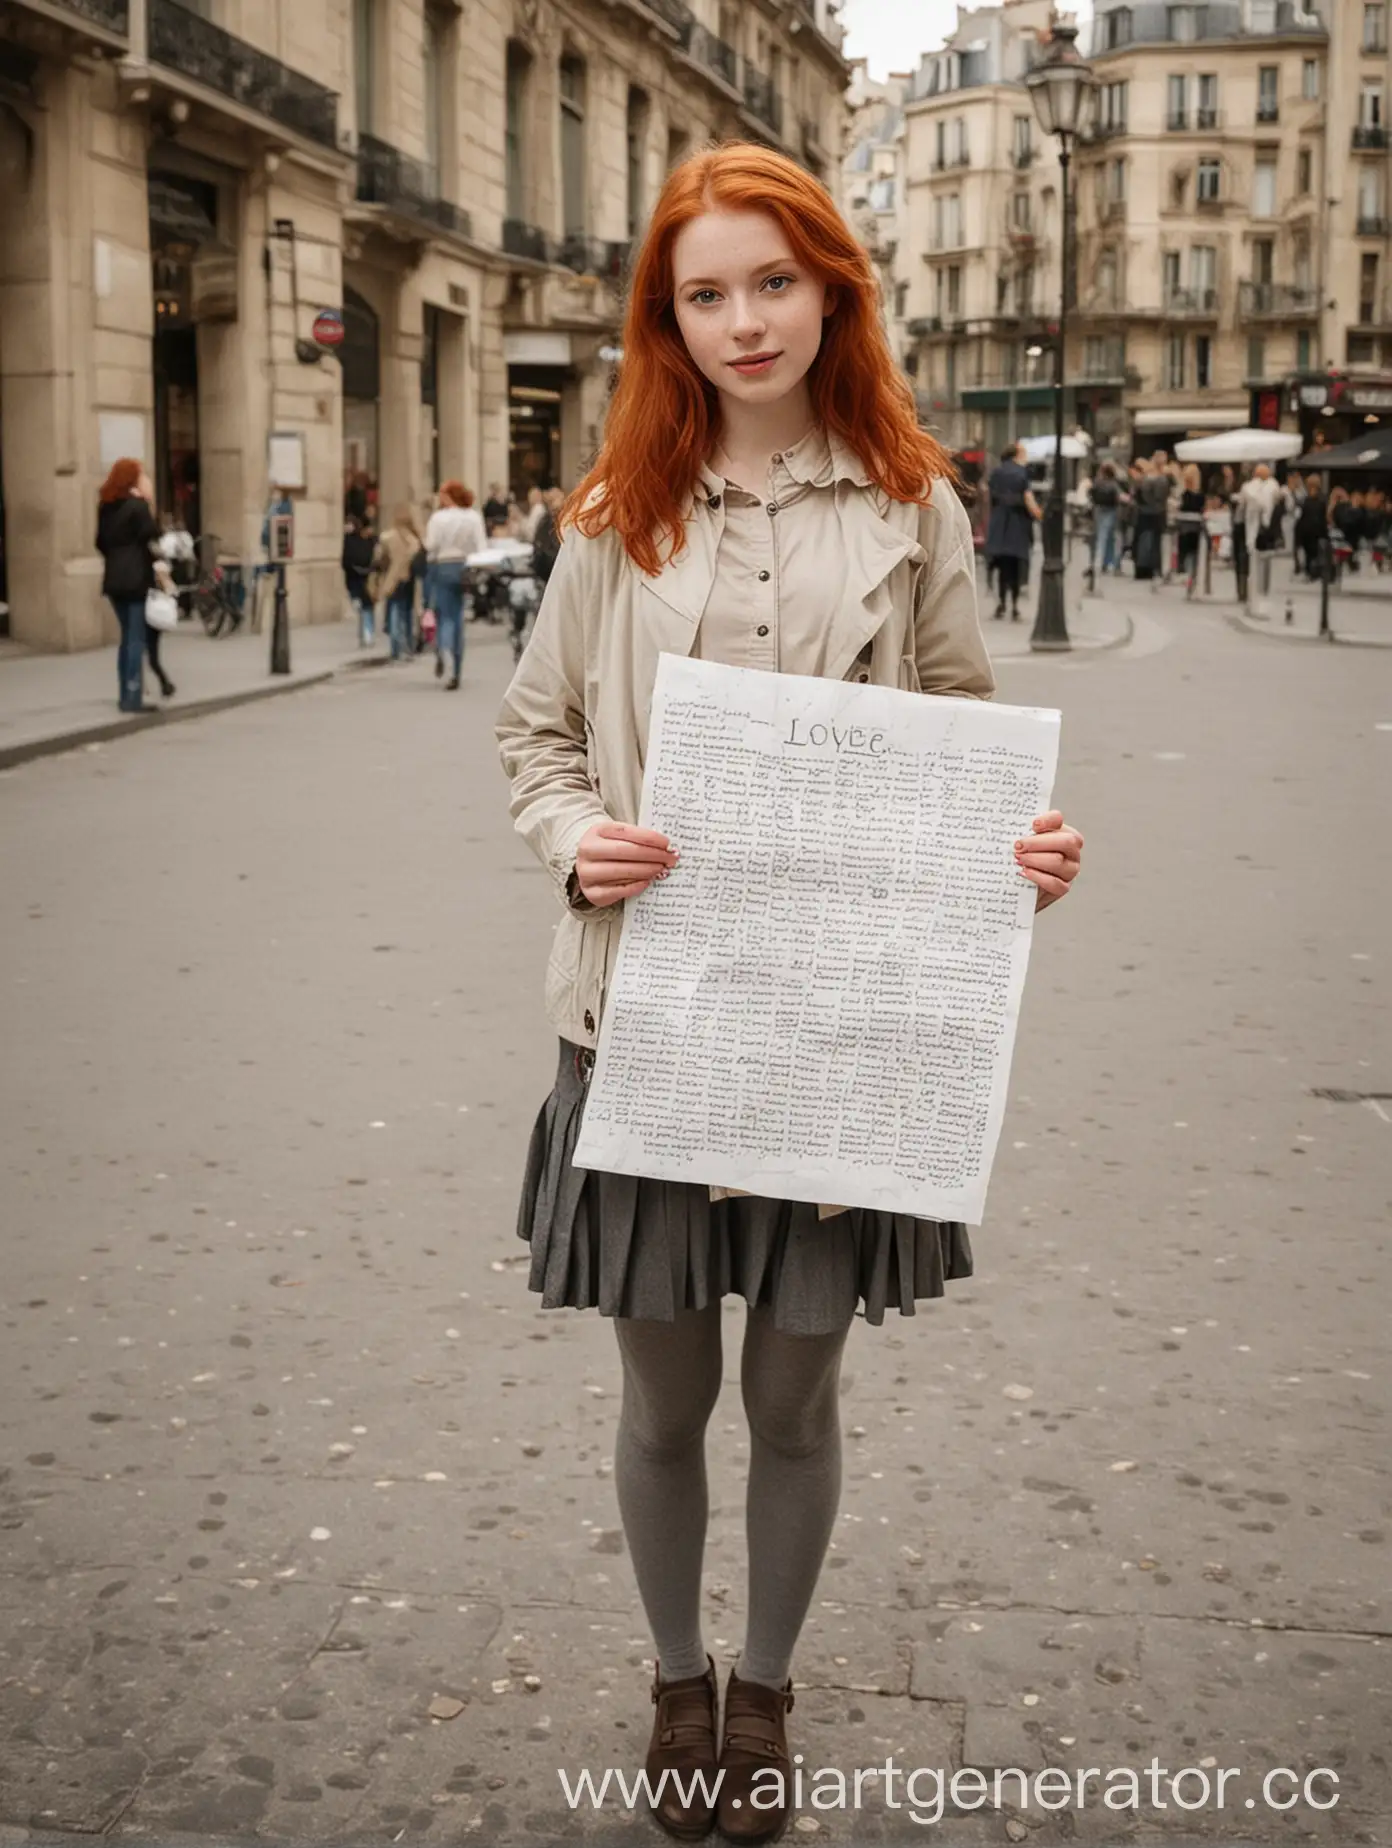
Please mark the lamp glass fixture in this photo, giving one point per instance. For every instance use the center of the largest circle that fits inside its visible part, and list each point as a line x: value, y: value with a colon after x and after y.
x: 1062, y: 86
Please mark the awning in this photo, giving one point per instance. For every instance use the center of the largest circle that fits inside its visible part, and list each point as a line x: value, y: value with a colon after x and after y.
x: 1242, y: 445
x: 1187, y: 417
x: 1371, y: 454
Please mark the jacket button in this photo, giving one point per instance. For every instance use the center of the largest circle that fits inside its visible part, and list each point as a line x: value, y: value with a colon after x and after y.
x: 763, y: 577
x: 589, y: 1021
x: 713, y: 501
x: 762, y: 629
x: 862, y: 678
x: 772, y: 507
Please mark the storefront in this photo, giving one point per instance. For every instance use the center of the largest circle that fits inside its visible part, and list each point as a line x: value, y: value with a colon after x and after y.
x: 542, y: 383
x: 183, y: 223
x: 1331, y: 407
x: 360, y: 357
x: 999, y: 414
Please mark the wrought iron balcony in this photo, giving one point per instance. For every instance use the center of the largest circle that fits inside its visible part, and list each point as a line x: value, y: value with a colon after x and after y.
x: 407, y: 187
x: 1370, y: 226
x: 1368, y: 137
x: 1205, y: 118
x: 592, y: 256
x: 523, y: 240
x: 951, y: 163
x: 674, y: 13
x: 183, y: 41
x: 761, y: 99
x: 111, y: 16
x: 1199, y: 303
x: 1024, y: 157
x: 714, y: 53
x: 1272, y: 300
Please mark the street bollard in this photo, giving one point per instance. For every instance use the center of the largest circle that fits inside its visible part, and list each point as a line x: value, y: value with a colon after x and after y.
x: 1326, y: 563
x: 280, y: 626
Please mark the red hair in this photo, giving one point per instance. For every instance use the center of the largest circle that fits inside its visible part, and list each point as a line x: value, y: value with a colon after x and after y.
x: 457, y: 494
x: 664, y: 409
x: 120, y: 483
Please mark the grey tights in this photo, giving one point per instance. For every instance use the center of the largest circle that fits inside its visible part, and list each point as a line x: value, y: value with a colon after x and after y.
x: 671, y: 1380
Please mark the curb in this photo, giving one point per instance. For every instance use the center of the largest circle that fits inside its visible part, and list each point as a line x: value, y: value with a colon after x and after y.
x: 1236, y: 620
x: 1127, y: 635
x: 13, y: 754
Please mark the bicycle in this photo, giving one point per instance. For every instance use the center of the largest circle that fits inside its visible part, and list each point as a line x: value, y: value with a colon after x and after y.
x: 215, y: 594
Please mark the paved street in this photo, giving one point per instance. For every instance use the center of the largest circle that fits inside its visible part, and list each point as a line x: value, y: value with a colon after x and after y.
x: 290, y: 1456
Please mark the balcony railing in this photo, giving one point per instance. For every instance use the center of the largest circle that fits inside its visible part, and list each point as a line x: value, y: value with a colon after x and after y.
x: 389, y: 178
x: 1375, y: 45
x: 950, y: 163
x: 715, y: 53
x: 592, y: 256
x: 1024, y: 157
x: 761, y: 99
x: 1368, y: 137
x: 1268, y: 112
x: 112, y: 16
x: 185, y: 42
x: 1205, y: 119
x: 523, y: 240
x: 1177, y: 122
x: 1370, y: 226
x: 674, y: 13
x: 1200, y: 302
x: 1263, y: 300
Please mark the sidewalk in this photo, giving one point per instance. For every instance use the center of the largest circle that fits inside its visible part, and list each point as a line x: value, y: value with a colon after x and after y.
x: 54, y: 703
x: 1360, y: 610
x: 1094, y: 623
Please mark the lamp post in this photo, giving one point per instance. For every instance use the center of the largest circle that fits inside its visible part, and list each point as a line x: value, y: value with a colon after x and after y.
x: 1061, y: 88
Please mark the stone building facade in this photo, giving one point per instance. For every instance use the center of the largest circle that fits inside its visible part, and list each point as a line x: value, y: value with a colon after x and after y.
x: 872, y: 182
x: 188, y: 187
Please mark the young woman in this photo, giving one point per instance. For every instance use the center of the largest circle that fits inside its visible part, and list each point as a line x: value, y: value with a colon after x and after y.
x: 455, y: 530
x: 1190, y: 521
x: 395, y: 565
x: 128, y: 537
x: 764, y: 497
x: 1010, y: 534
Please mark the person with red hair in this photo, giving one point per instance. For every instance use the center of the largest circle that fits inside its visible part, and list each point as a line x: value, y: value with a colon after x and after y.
x: 453, y: 532
x: 764, y: 497
x: 127, y: 538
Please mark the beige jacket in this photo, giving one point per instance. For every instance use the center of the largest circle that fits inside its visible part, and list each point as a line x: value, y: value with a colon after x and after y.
x: 574, y: 725
x: 396, y: 551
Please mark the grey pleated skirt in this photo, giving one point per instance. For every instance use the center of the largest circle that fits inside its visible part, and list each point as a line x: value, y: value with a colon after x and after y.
x: 648, y: 1248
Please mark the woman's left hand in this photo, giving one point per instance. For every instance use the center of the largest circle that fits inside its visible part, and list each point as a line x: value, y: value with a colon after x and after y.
x: 1051, y: 858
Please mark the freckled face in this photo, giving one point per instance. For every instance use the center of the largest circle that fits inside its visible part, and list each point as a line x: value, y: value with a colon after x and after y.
x: 750, y: 312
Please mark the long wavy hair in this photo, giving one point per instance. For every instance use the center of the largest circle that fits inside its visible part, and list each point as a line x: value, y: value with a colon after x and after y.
x: 120, y: 483
x: 664, y: 410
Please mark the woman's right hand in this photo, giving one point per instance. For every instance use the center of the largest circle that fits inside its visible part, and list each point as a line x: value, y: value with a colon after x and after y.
x: 614, y: 862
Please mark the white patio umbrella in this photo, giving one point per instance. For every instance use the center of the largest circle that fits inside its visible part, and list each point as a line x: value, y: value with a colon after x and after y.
x: 1245, y: 445
x: 1041, y: 448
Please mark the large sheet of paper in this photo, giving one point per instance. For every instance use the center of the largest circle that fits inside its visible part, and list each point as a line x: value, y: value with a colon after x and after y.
x: 820, y: 1002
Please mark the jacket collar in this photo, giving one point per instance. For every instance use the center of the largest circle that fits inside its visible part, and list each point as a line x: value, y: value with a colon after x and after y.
x: 873, y: 546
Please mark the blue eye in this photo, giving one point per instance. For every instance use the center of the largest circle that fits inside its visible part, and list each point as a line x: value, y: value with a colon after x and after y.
x: 696, y: 297
x: 783, y: 279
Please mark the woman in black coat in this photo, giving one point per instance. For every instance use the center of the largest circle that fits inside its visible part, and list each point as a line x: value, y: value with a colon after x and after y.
x: 1311, y: 526
x: 1010, y: 531
x: 127, y: 536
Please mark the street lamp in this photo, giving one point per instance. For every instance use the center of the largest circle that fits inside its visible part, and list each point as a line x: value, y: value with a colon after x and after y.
x: 1061, y: 87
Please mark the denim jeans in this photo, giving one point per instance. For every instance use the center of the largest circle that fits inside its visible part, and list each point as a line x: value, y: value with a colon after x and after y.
x: 400, y: 608
x: 130, y: 652
x: 448, y: 591
x: 1104, y: 552
x: 367, y: 615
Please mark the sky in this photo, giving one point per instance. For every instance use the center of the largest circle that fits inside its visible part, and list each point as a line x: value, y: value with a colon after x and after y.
x: 892, y: 34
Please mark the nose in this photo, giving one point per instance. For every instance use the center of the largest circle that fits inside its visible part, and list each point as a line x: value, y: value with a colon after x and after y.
x: 749, y: 319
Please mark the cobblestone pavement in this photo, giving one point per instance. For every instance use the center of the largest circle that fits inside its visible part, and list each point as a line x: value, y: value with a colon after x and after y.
x: 307, y: 1526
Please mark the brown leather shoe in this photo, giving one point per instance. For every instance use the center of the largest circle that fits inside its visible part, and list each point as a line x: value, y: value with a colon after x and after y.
x: 683, y: 1745
x: 755, y: 1740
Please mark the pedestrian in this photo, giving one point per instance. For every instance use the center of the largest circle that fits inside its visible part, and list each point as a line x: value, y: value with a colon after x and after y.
x: 495, y: 509
x: 128, y: 537
x: 1152, y: 509
x: 531, y: 517
x: 1255, y: 512
x: 1105, y: 495
x: 1191, y: 512
x: 1312, y: 529
x: 393, y: 579
x: 546, y: 541
x: 764, y: 497
x: 359, y: 547
x: 1010, y: 533
x: 454, y: 533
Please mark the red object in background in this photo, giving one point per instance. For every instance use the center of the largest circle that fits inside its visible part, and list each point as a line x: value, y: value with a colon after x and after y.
x: 328, y: 327
x: 1268, y: 410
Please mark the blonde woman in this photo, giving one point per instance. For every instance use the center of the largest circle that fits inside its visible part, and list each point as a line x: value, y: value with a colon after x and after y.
x: 397, y: 550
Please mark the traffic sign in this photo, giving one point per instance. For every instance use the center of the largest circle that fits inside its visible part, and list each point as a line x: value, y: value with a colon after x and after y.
x: 328, y: 327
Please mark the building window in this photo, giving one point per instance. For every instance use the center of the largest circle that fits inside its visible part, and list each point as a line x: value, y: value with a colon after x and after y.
x: 1309, y: 80
x: 573, y: 176
x: 1264, y: 189
x: 1203, y: 361
x: 678, y: 147
x: 1302, y: 350
x: 1304, y: 172
x: 1179, y: 187
x: 1370, y: 106
x: 1263, y: 259
x: 1210, y: 180
x: 1024, y: 290
x: 639, y: 112
x: 954, y: 291
x: 1117, y: 27
x: 441, y: 88
x: 1268, y: 93
x: 1203, y: 275
x: 1300, y: 259
x: 1116, y: 180
x: 940, y: 143
x: 1114, y: 107
x: 1107, y: 279
x: 1174, y: 363
x: 1256, y: 357
x: 1187, y: 23
x: 1177, y: 103
x: 1169, y: 269
x: 1020, y: 211
x: 1367, y: 286
x: 1024, y: 141
x: 1261, y: 15
x: 364, y: 63
x: 519, y: 77
x: 1375, y: 28
x: 961, y: 153
x: 1360, y: 350
x: 1369, y: 195
x: 1207, y: 115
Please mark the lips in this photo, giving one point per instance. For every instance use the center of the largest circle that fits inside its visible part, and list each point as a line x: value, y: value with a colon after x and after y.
x: 756, y: 363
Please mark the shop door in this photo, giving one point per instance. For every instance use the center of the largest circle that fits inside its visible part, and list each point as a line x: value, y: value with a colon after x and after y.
x: 359, y: 356
x: 534, y: 426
